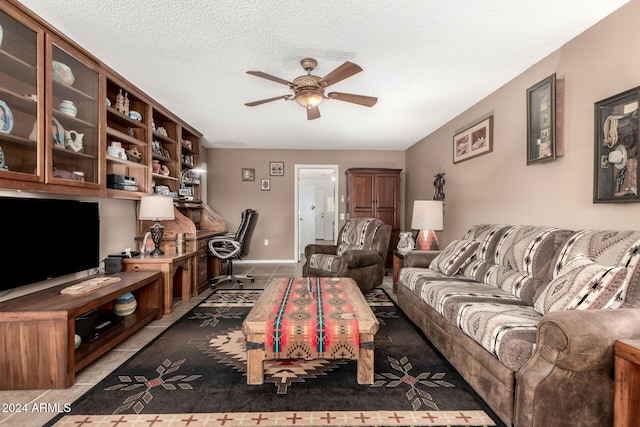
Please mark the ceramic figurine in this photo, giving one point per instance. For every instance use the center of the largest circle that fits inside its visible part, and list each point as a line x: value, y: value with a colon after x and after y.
x: 120, y: 102
x: 405, y: 244
x: 3, y: 164
x: 73, y: 140
x: 126, y: 103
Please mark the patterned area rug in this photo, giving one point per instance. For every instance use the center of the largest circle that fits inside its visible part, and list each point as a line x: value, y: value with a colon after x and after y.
x: 194, y: 374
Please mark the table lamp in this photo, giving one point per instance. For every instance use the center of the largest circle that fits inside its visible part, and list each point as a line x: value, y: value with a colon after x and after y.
x: 427, y: 217
x: 156, y: 208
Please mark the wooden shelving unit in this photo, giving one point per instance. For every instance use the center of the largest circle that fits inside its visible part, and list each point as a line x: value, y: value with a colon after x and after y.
x: 37, y: 330
x: 36, y: 153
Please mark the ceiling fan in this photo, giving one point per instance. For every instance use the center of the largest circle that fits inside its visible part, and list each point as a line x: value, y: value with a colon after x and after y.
x: 308, y: 90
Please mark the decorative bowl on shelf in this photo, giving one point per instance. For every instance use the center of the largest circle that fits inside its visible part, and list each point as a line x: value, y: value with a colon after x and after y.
x: 68, y: 107
x: 62, y: 73
x: 135, y: 115
x: 6, y: 118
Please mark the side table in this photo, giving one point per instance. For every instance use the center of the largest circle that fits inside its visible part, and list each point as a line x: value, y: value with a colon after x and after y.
x: 626, y: 401
x: 175, y: 268
x: 398, y: 263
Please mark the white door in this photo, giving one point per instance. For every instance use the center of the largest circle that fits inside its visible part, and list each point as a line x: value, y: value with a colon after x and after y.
x: 316, y: 214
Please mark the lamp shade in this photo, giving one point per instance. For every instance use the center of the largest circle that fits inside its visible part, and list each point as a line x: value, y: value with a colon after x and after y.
x: 427, y: 215
x: 156, y: 208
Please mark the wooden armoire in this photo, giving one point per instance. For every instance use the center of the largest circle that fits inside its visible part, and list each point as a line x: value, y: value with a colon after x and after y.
x: 375, y: 193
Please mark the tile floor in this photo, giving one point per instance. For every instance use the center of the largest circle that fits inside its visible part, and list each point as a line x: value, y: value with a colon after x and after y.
x: 37, y: 407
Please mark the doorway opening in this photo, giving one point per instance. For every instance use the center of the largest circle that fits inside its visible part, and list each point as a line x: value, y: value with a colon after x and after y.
x: 316, y: 215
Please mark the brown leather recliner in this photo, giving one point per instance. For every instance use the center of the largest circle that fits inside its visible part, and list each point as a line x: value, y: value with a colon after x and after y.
x: 360, y: 253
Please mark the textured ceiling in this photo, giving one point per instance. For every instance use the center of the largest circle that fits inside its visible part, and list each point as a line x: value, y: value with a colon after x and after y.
x: 426, y: 60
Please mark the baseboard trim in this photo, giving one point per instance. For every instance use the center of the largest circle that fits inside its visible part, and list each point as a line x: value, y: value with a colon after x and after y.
x: 266, y: 261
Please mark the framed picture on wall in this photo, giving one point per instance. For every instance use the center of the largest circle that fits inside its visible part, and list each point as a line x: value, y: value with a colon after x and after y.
x: 265, y: 185
x: 541, y: 120
x: 473, y: 141
x: 248, y: 174
x: 276, y: 168
x: 615, y: 168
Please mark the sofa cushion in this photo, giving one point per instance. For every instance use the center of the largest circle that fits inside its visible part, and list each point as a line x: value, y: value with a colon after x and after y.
x: 488, y: 236
x: 325, y: 262
x: 506, y: 331
x: 445, y: 293
x: 454, y: 257
x: 358, y: 234
x: 606, y: 247
x: 583, y: 284
x: 522, y: 260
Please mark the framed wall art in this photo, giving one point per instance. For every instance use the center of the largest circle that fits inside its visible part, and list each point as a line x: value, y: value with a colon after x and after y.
x: 276, y: 168
x: 616, y: 148
x: 541, y: 120
x: 473, y: 141
x: 265, y: 185
x: 248, y: 174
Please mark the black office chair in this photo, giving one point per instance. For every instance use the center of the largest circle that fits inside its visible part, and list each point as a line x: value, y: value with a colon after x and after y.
x: 230, y: 246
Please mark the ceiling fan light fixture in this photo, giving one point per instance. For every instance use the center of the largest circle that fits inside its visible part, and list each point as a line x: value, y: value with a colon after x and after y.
x: 309, y: 98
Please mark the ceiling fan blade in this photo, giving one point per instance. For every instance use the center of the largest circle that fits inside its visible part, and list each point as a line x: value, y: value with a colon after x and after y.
x: 264, y: 101
x: 313, y: 112
x: 367, y: 101
x: 344, y: 71
x: 270, y: 77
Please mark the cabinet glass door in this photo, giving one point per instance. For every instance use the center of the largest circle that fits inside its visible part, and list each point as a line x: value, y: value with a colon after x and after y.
x: 73, y: 111
x: 20, y: 90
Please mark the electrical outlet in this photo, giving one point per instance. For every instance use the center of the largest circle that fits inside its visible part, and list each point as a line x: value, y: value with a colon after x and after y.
x: 266, y: 242
x: 341, y: 216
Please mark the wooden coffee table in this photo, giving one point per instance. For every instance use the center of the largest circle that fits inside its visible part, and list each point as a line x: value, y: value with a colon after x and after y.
x: 254, y: 327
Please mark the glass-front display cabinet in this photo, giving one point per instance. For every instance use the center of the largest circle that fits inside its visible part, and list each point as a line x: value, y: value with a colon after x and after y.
x: 21, y: 95
x: 73, y: 112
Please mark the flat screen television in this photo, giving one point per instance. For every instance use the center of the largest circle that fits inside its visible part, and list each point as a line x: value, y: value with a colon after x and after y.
x: 47, y: 238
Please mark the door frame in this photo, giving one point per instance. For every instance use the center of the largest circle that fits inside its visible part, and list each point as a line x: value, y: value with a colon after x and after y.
x: 296, y: 202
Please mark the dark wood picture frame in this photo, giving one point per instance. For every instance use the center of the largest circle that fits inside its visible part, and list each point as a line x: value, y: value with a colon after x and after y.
x: 473, y: 141
x: 276, y: 168
x: 541, y: 121
x: 615, y: 169
x: 248, y: 174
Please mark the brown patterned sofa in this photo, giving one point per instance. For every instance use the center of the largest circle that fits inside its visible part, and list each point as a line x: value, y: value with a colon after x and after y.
x: 529, y: 315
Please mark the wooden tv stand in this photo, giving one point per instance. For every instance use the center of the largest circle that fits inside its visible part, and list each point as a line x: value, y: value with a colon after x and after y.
x: 37, y: 331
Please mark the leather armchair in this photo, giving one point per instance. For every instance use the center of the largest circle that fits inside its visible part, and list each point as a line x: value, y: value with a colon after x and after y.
x: 360, y: 253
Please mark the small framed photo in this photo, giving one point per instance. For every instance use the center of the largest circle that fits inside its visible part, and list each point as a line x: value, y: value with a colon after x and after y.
x: 541, y: 120
x: 276, y: 168
x: 473, y: 141
x: 265, y: 185
x: 248, y: 174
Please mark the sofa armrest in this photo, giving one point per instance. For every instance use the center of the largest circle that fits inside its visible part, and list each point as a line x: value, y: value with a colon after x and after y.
x: 419, y: 258
x: 579, y: 340
x: 361, y: 258
x: 319, y: 249
x: 573, y: 362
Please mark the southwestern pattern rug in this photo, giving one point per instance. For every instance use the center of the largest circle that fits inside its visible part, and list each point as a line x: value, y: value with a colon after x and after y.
x: 194, y: 374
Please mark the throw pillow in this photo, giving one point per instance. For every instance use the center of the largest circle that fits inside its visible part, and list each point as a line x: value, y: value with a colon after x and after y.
x: 454, y: 257
x: 583, y: 284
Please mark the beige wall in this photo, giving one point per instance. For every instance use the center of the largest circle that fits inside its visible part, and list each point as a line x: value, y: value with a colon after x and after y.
x: 228, y: 195
x: 499, y: 187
